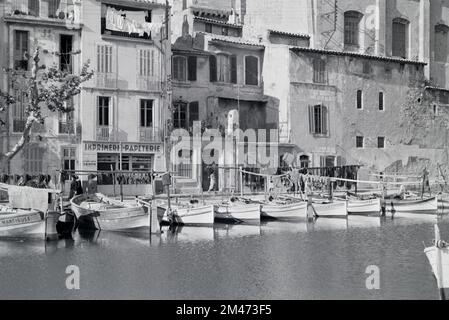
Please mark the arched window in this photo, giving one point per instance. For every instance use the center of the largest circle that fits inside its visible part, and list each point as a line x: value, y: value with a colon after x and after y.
x: 400, y: 37
x: 441, y: 42
x: 352, y: 27
x: 251, y: 70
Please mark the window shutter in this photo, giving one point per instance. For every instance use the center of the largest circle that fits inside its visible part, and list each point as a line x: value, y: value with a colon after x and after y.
x: 311, y: 120
x: 213, y: 68
x: 322, y: 161
x: 191, y: 63
x: 324, y: 120
x: 193, y: 113
x: 233, y: 69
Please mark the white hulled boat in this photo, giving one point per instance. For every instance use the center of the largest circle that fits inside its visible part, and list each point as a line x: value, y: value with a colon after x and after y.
x: 103, y: 213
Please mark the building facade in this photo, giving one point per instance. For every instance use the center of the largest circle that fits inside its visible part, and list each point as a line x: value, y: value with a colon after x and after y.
x: 217, y: 72
x: 54, y: 26
x: 119, y: 117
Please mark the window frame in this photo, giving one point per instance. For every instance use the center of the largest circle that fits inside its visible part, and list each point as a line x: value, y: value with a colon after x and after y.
x: 71, y: 157
x: 144, y: 105
x: 245, y: 70
x: 101, y: 110
x: 22, y: 62
x: 183, y: 66
x: 357, y: 140
x: 322, y: 122
x: 104, y: 54
x: 319, y: 70
x: 351, y: 28
x: 67, y: 56
x: 359, y: 99
x: 381, y: 101
x: 379, y: 139
x: 406, y: 25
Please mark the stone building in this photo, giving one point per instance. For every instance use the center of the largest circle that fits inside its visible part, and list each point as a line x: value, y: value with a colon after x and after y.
x: 119, y: 116
x: 341, y: 96
x: 215, y: 71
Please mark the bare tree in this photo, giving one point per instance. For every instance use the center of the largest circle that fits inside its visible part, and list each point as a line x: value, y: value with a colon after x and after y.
x: 45, y: 87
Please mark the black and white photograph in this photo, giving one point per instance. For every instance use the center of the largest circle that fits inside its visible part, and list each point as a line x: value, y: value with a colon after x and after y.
x: 224, y: 150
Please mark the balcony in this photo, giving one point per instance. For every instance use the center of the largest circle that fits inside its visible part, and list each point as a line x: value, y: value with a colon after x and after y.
x: 150, y: 135
x: 106, y: 80
x: 104, y: 134
x: 122, y: 34
x: 66, y: 128
x: 49, y: 12
x: 148, y: 84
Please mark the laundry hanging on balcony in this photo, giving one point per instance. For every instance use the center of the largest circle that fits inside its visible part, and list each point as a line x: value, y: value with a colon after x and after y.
x: 129, y: 22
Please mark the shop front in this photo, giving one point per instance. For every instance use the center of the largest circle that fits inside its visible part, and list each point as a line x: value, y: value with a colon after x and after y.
x: 124, y: 165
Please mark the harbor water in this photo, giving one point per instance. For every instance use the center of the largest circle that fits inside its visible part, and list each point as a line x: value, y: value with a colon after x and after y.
x: 328, y: 259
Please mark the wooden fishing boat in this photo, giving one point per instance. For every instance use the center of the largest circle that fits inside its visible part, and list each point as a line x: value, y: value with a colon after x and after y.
x: 429, y: 205
x: 357, y: 206
x: 238, y: 211
x: 187, y: 214
x: 330, y: 209
x: 21, y: 222
x: 102, y: 213
x: 284, y: 210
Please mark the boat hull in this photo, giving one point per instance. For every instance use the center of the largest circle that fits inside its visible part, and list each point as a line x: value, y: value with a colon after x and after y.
x: 336, y: 209
x: 296, y: 210
x: 191, y: 216
x: 29, y: 224
x: 413, y: 206
x: 238, y: 212
x: 115, y: 222
x: 364, y: 206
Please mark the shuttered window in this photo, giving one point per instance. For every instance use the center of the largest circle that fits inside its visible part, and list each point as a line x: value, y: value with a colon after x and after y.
x: 251, y: 70
x: 104, y: 59
x: 224, y: 70
x: 400, y: 35
x: 319, y: 70
x: 351, y: 29
x: 192, y: 67
x: 441, y: 42
x: 213, y: 68
x: 180, y: 116
x: 146, y: 63
x: 33, y: 156
x: 194, y: 113
x: 318, y: 120
x: 179, y: 68
x: 233, y: 61
x: 21, y: 50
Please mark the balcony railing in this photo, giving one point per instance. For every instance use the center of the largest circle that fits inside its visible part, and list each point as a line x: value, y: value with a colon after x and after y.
x: 106, y: 80
x: 150, y: 135
x: 148, y: 83
x: 183, y: 170
x: 62, y: 10
x: 66, y: 128
x: 104, y: 133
